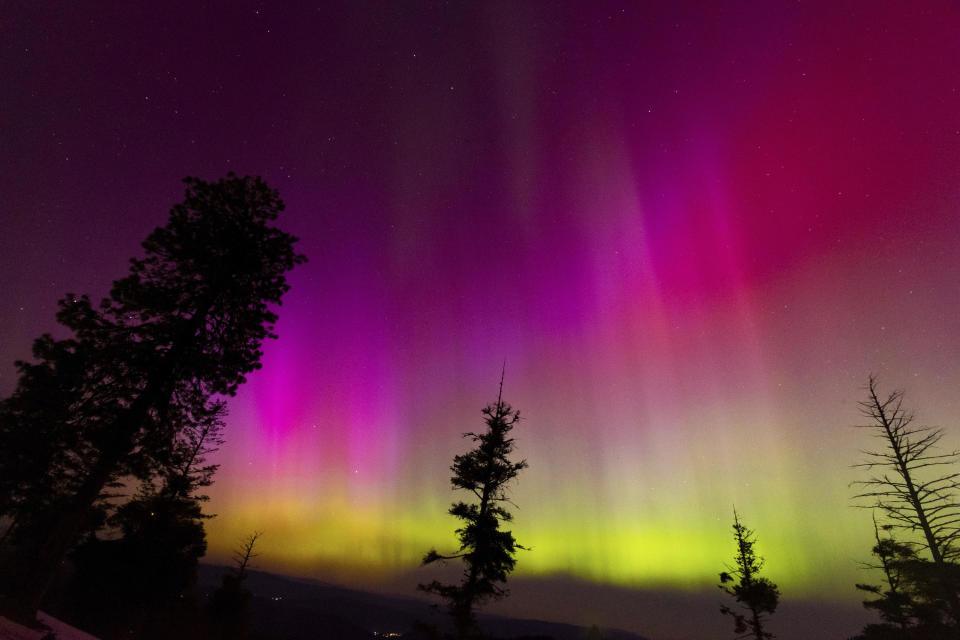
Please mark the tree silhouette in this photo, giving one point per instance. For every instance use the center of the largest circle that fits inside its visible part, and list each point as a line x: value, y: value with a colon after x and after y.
x: 910, y: 603
x: 184, y: 326
x: 245, y: 554
x: 45, y: 451
x: 140, y: 581
x: 900, y: 483
x: 894, y: 600
x: 915, y: 486
x: 230, y: 603
x: 151, y: 567
x: 757, y: 596
x: 486, y: 550
x: 187, y: 471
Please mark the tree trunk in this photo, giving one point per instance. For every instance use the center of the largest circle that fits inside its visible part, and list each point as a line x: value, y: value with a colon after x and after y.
x: 34, y: 572
x: 948, y: 593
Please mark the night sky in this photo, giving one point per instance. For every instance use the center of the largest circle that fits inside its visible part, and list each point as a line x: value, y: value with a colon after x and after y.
x: 690, y: 231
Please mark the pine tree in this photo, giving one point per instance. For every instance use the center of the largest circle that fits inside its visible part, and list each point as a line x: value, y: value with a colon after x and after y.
x: 184, y: 326
x: 758, y: 596
x: 486, y: 550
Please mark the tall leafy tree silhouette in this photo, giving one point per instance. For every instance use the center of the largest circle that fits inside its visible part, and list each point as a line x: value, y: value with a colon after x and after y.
x: 487, y: 551
x: 757, y: 596
x: 184, y: 326
x: 914, y: 485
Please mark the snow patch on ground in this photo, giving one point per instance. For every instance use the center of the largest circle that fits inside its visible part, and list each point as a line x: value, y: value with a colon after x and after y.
x: 57, y: 630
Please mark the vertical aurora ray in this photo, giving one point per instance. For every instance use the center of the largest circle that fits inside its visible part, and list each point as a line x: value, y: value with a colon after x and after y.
x: 689, y: 285
x: 691, y: 232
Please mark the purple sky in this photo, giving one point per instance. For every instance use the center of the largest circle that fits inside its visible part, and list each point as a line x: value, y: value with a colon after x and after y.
x: 691, y: 230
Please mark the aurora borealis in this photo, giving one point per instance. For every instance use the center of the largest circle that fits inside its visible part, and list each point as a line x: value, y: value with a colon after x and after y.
x: 691, y: 232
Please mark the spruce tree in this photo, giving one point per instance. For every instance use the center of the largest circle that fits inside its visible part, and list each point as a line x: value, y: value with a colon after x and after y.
x: 758, y: 596
x: 186, y: 325
x: 487, y: 551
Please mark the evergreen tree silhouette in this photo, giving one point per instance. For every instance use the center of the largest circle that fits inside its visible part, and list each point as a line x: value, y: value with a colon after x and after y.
x: 184, y: 326
x: 140, y: 582
x: 897, y: 601
x: 758, y: 597
x: 894, y: 601
x: 486, y: 550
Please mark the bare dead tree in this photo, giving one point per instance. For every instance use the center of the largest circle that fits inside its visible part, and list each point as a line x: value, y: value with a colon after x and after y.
x: 916, y: 487
x: 244, y: 554
x: 230, y: 603
x: 909, y: 481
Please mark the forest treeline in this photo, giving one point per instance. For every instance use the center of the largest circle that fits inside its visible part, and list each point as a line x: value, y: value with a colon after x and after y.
x: 107, y: 438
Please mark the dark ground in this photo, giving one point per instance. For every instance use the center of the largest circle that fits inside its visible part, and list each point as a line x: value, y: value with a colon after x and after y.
x: 301, y: 609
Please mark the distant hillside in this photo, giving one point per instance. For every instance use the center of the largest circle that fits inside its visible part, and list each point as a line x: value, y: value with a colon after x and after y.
x: 302, y: 609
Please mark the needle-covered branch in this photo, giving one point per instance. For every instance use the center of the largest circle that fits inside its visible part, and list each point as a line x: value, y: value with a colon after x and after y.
x: 757, y: 596
x: 486, y: 550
